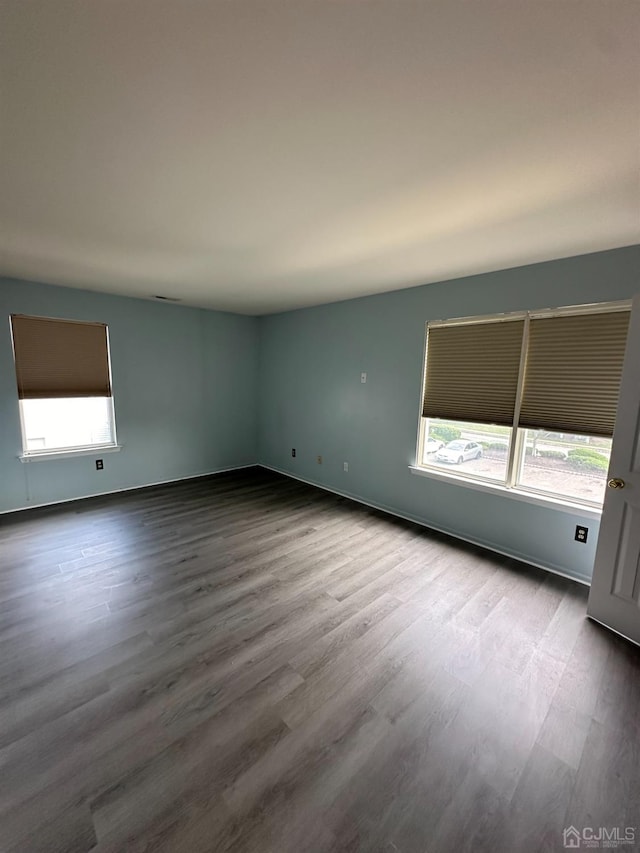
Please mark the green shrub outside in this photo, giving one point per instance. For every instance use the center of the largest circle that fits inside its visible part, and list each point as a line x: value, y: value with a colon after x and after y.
x: 586, y: 452
x: 497, y: 446
x: 444, y: 433
x: 587, y: 459
x: 552, y: 454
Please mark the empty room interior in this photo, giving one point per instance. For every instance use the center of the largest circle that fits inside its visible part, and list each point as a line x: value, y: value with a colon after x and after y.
x: 319, y: 426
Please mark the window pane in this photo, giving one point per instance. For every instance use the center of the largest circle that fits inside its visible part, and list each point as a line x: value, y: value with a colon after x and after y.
x: 64, y: 423
x: 572, y: 466
x: 479, y: 450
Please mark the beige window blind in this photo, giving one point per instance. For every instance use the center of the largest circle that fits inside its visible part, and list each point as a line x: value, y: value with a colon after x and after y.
x: 572, y: 378
x: 60, y: 358
x: 472, y: 371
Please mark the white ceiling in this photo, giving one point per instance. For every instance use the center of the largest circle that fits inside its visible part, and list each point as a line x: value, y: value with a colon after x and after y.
x: 260, y: 156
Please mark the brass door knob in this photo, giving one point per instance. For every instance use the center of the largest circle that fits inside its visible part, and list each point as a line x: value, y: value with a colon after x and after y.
x: 616, y: 483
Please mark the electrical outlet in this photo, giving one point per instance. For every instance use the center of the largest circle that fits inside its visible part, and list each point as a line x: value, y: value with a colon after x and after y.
x: 345, y: 466
x: 319, y: 460
x: 99, y: 464
x: 293, y: 452
x: 581, y: 533
x: 363, y: 377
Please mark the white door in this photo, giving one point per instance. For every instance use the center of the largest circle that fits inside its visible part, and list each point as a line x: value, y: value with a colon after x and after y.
x: 614, y: 598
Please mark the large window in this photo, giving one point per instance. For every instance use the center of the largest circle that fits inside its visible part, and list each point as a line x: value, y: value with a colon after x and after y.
x: 64, y: 385
x: 526, y: 401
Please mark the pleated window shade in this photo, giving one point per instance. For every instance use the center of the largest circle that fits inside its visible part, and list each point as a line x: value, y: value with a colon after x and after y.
x: 472, y: 371
x: 572, y: 378
x: 60, y: 358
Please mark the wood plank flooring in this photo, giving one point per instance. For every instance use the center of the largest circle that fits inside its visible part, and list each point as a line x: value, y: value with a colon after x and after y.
x: 246, y: 663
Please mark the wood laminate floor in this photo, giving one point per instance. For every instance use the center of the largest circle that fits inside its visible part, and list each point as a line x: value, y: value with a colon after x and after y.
x: 246, y: 663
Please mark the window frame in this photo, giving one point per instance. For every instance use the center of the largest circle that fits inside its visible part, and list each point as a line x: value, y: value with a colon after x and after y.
x: 76, y: 449
x: 517, y: 438
x: 73, y: 449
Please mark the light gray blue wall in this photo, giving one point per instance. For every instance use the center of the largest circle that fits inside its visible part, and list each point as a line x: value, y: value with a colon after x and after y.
x: 184, y: 392
x: 195, y: 389
x: 311, y: 398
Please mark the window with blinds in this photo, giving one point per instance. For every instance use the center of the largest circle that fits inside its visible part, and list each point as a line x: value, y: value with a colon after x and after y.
x: 64, y: 384
x: 472, y: 371
x: 573, y: 371
x: 526, y: 400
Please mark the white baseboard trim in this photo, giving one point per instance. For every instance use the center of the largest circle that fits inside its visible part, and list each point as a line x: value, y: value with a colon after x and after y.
x: 515, y: 555
x: 129, y: 488
x: 524, y: 558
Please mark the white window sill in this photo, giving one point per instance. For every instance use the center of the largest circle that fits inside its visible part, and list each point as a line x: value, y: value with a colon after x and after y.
x: 515, y: 494
x: 71, y: 453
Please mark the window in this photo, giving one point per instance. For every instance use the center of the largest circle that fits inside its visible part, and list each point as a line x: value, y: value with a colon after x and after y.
x: 574, y: 466
x: 64, y: 385
x: 475, y: 449
x: 526, y: 401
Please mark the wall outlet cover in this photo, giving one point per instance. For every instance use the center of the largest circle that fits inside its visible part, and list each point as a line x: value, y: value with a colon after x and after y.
x: 581, y: 533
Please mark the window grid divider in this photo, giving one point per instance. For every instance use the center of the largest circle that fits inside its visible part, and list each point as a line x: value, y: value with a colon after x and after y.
x: 515, y: 445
